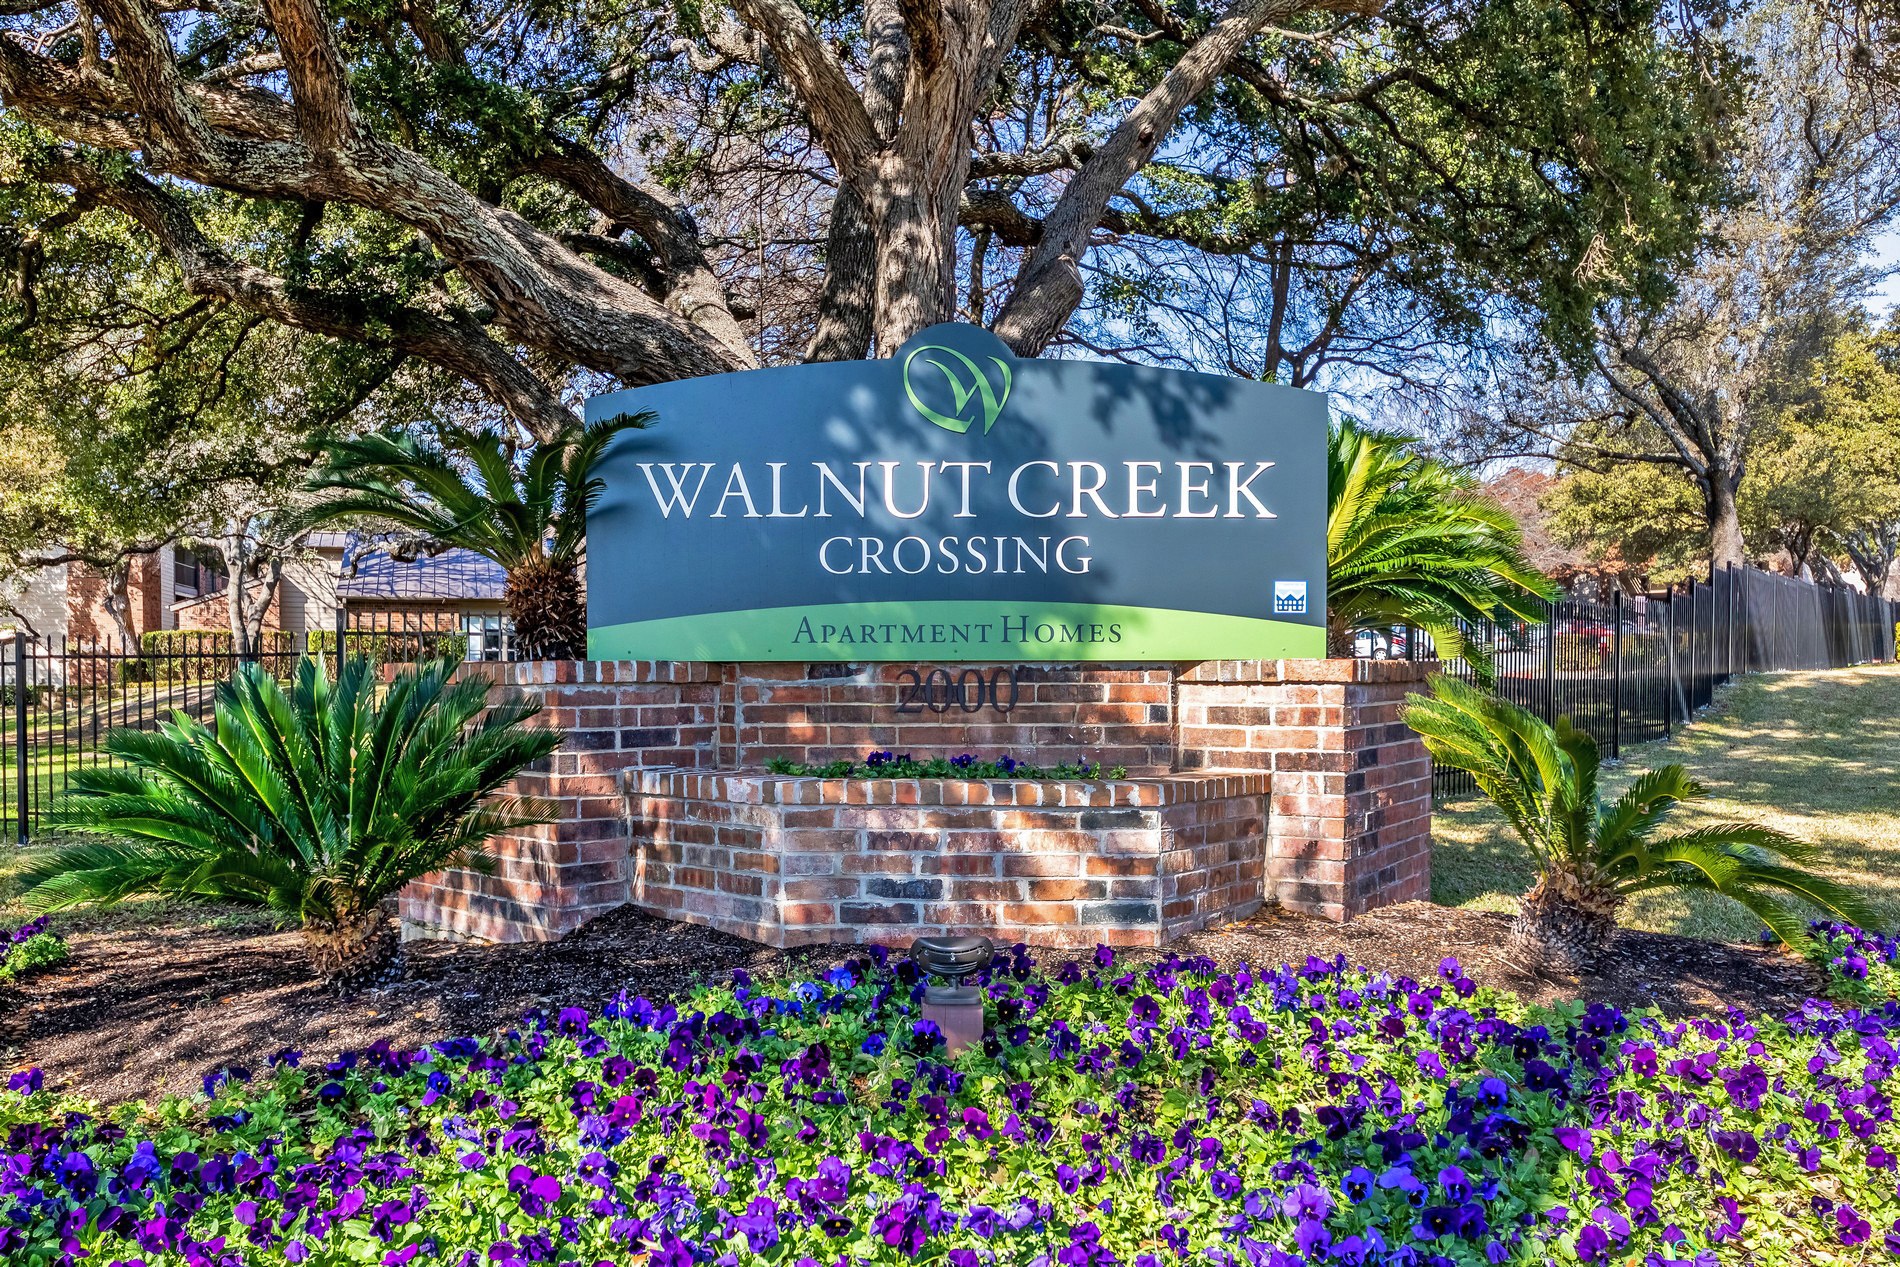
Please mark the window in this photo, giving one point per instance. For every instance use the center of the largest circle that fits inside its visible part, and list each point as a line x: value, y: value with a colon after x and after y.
x: 488, y: 634
x: 196, y: 573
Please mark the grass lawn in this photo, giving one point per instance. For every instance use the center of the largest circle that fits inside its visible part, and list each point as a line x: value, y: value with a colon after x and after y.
x: 134, y: 913
x: 1816, y: 755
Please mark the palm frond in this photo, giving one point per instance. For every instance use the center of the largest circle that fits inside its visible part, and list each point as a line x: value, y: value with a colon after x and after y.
x: 315, y: 802
x: 1543, y: 779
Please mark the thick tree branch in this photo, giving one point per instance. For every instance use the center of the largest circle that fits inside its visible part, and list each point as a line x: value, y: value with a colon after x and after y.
x: 455, y: 343
x: 1050, y: 286
x: 319, y: 85
x: 1686, y: 454
x: 690, y: 287
x: 548, y: 297
x: 838, y: 117
x: 1059, y: 155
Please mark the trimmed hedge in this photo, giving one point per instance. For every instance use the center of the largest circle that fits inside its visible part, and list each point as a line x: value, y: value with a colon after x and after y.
x: 198, y: 655
x: 395, y: 647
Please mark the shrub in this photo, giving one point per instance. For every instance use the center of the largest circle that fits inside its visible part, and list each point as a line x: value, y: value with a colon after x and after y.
x: 886, y: 765
x: 10, y: 695
x: 1593, y: 855
x: 1115, y: 1115
x: 393, y: 647
x: 198, y: 655
x: 1577, y: 653
x: 314, y: 802
x: 29, y: 948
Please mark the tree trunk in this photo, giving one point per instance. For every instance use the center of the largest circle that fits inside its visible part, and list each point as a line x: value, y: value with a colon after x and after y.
x: 1563, y: 925
x: 1725, y: 519
x: 355, y: 953
x: 847, y: 306
x: 917, y: 252
x: 118, y: 579
x: 1339, y: 639
x: 919, y: 177
x: 549, y: 613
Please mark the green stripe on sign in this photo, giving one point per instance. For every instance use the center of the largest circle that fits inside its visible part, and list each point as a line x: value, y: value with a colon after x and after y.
x: 964, y: 630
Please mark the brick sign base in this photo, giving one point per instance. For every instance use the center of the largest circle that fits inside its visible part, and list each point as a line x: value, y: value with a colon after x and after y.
x: 1294, y: 782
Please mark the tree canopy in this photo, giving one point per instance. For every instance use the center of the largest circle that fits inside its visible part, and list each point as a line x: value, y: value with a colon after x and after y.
x: 1695, y: 383
x: 538, y: 200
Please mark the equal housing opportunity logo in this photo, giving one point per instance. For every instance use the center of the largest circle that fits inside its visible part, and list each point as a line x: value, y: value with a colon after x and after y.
x: 971, y: 390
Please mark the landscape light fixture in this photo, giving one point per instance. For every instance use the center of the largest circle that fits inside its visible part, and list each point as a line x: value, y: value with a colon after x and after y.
x: 955, y: 1008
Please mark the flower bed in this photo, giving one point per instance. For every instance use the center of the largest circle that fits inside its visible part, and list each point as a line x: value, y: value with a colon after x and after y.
x: 967, y: 765
x: 1115, y: 1115
x: 28, y: 949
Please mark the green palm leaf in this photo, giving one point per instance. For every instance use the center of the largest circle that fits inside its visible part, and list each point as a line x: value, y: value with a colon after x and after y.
x: 315, y: 802
x: 1543, y: 778
x: 524, y: 509
x: 1410, y: 541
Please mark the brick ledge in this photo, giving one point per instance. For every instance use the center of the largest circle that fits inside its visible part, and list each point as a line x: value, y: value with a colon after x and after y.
x: 749, y: 787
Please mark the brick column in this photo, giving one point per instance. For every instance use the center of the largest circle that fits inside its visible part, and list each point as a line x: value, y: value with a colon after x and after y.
x: 1350, y: 815
x: 549, y: 880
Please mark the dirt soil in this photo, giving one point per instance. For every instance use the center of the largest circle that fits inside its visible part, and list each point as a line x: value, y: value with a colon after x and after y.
x: 140, y: 1011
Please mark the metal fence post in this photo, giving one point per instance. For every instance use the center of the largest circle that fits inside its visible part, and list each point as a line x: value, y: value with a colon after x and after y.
x: 1669, y: 661
x: 342, y: 628
x: 1550, y: 662
x: 23, y: 781
x: 1616, y: 674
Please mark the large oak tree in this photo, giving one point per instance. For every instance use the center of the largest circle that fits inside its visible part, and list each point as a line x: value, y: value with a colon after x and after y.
x: 541, y: 199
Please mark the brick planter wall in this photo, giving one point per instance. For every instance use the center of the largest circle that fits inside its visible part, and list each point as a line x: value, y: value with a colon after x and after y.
x: 788, y: 861
x: 1333, y: 817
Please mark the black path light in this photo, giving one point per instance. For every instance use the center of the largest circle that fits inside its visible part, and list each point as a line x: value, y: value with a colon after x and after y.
x: 955, y: 1008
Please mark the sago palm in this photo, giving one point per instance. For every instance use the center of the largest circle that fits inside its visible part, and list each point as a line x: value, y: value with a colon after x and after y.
x: 1593, y: 855
x: 315, y: 802
x: 526, y: 512
x: 1411, y: 541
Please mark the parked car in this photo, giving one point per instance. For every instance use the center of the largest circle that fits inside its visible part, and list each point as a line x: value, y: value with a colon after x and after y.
x: 1380, y: 644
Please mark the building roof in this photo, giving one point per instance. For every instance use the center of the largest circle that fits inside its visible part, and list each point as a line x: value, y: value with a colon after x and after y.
x: 371, y: 573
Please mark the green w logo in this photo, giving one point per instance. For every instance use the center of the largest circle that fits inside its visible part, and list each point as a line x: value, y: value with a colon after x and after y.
x: 971, y: 389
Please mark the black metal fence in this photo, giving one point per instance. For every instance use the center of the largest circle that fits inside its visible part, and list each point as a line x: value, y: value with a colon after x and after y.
x: 1626, y: 671
x: 61, y: 698
x: 1632, y: 670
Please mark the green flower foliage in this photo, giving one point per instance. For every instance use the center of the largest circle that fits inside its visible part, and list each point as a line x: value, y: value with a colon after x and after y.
x: 885, y: 765
x: 32, y: 954
x: 1116, y: 1115
x: 1862, y: 968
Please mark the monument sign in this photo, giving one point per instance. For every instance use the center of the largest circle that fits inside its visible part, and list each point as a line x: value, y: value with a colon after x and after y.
x: 954, y: 503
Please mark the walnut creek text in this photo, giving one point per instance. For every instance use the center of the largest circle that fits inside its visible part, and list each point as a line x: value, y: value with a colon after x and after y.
x: 1039, y: 489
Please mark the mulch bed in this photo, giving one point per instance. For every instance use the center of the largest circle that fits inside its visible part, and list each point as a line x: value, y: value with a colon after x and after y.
x: 137, y: 1012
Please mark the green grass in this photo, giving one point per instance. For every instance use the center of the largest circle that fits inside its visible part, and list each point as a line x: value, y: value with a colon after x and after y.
x: 135, y: 913
x: 1816, y: 755
x: 46, y: 770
